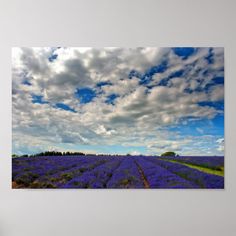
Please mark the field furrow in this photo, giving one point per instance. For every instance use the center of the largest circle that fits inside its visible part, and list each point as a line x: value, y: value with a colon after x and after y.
x: 159, y: 177
x: 202, y: 179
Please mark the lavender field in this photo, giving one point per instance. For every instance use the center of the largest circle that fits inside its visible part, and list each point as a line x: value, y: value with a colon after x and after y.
x: 118, y: 172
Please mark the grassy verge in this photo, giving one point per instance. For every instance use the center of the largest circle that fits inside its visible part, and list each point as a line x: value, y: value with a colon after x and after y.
x: 200, y: 168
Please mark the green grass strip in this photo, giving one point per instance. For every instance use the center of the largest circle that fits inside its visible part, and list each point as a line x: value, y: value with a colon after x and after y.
x: 200, y: 168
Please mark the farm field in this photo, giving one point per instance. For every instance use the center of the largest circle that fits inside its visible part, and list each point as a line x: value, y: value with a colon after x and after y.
x: 118, y: 172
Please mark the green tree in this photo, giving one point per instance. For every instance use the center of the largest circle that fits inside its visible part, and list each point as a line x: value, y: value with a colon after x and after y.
x: 168, y: 154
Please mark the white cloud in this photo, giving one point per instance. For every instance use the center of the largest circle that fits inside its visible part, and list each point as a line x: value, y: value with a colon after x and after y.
x: 138, y: 114
x: 221, y: 144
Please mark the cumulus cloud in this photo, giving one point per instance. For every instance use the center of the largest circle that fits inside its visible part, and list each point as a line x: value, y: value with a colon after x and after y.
x: 221, y: 144
x: 138, y: 95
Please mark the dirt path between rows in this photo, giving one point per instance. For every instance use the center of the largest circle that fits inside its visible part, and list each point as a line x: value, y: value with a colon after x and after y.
x: 144, y: 179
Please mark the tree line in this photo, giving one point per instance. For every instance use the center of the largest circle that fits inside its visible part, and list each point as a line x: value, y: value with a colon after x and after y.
x: 53, y: 153
x: 57, y: 153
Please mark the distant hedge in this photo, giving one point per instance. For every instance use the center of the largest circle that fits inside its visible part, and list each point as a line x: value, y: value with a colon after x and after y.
x: 55, y: 153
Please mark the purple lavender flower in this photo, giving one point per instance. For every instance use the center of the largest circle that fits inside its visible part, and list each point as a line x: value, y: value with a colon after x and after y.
x: 204, y: 180
x: 159, y: 177
x: 126, y: 176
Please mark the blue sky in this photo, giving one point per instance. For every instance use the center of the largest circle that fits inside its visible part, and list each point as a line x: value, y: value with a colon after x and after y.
x: 118, y: 100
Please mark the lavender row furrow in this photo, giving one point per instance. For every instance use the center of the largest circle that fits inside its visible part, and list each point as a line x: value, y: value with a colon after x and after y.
x: 215, y: 163
x: 159, y: 177
x: 204, y: 180
x: 96, y: 178
x: 50, y: 174
x: 126, y: 176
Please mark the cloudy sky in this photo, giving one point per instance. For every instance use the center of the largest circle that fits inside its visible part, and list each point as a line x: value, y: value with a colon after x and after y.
x: 118, y: 100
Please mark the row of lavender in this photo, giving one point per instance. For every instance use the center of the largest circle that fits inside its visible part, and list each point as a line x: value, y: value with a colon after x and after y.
x: 212, y: 162
x: 108, y: 172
